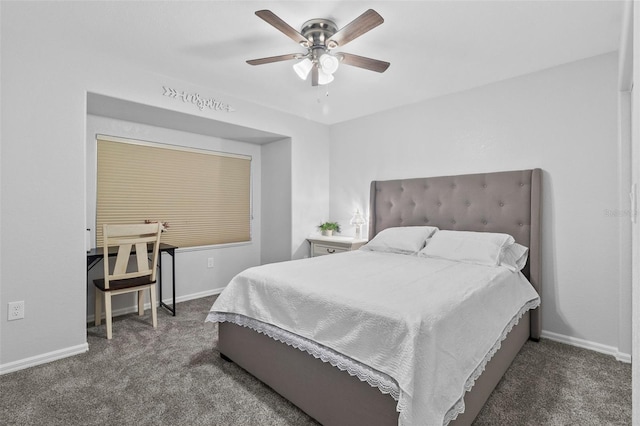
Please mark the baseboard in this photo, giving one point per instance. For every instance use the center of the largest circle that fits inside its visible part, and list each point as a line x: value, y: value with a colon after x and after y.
x: 43, y: 358
x: 195, y: 296
x: 623, y: 357
x: 586, y: 344
x: 168, y: 301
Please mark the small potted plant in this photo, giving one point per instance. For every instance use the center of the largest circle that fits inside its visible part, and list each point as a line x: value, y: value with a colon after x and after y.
x: 327, y: 228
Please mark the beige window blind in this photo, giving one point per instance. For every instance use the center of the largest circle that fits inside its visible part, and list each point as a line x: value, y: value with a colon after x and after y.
x: 204, y: 196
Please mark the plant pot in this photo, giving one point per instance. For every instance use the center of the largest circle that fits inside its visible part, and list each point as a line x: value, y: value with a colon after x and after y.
x: 327, y: 233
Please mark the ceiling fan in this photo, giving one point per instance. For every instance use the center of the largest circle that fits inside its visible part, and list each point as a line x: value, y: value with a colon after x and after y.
x: 320, y: 37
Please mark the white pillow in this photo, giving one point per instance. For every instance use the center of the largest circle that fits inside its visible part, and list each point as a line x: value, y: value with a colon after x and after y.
x: 514, y: 257
x: 482, y: 248
x: 403, y: 239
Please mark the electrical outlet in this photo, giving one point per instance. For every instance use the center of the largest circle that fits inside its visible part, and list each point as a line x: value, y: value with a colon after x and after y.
x: 210, y: 262
x: 15, y: 310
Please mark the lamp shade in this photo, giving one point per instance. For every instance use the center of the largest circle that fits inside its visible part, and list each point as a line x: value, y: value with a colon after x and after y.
x: 357, y: 218
x: 324, y: 78
x: 303, y: 68
x: 329, y: 63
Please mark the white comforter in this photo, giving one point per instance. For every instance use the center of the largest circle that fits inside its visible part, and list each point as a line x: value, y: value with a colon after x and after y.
x: 431, y: 325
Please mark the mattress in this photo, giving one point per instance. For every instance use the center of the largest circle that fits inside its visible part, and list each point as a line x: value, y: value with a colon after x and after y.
x: 420, y: 329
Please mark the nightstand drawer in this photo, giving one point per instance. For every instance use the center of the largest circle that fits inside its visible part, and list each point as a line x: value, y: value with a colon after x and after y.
x: 321, y: 245
x: 320, y: 250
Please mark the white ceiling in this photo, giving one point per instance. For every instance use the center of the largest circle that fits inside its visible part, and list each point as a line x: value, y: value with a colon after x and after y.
x: 435, y: 47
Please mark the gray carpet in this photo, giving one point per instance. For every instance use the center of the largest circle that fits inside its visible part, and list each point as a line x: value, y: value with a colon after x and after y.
x: 174, y: 376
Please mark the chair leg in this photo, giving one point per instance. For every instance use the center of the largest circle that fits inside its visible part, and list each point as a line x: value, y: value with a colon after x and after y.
x: 97, y: 311
x: 107, y: 311
x: 141, y: 302
x: 154, y: 314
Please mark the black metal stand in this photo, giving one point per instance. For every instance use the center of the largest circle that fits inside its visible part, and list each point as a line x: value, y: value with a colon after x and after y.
x: 171, y: 251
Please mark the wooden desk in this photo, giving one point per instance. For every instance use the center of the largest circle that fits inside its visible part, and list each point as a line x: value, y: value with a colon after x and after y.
x: 95, y: 255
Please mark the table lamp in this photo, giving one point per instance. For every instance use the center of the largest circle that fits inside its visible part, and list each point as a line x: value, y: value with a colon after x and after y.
x: 358, y: 221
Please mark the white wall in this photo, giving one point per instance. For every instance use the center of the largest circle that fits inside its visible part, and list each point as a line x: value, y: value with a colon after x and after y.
x: 563, y: 120
x: 45, y: 80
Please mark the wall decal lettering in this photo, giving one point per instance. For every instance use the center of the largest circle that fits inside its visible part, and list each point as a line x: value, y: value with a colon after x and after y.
x: 197, y: 100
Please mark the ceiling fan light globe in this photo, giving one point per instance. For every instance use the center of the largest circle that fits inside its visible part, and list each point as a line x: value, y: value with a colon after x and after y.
x: 303, y: 68
x: 324, y: 78
x: 329, y: 63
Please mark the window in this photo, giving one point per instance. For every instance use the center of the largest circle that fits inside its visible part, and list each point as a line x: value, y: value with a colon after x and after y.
x: 204, y: 196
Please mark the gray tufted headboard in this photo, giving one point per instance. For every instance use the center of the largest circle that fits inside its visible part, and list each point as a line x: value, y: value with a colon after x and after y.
x: 507, y: 202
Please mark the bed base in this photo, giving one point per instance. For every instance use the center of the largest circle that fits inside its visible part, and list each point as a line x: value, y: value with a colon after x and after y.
x: 332, y: 396
x: 508, y: 202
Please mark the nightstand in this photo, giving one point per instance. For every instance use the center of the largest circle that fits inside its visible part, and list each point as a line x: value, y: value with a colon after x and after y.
x: 321, y: 246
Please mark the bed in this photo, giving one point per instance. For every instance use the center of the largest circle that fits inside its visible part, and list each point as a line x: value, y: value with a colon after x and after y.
x: 334, y: 390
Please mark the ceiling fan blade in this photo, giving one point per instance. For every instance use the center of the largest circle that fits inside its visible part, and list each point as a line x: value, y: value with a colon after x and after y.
x: 362, y: 62
x: 362, y: 24
x: 272, y: 19
x: 271, y: 59
x: 314, y: 75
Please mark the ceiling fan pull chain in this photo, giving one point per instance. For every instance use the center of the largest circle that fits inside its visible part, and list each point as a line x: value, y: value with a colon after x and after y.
x: 319, y: 97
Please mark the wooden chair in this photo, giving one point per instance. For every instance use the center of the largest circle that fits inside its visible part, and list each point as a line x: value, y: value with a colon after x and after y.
x: 117, y: 279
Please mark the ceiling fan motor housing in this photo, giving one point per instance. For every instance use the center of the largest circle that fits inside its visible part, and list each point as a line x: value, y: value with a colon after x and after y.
x: 318, y: 32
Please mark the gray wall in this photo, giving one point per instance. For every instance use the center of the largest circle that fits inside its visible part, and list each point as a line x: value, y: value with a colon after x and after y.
x: 43, y: 169
x: 276, y: 208
x: 563, y: 120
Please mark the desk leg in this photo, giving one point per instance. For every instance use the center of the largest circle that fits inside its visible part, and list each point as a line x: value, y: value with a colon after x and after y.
x: 160, y: 277
x: 171, y: 253
x: 173, y: 280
